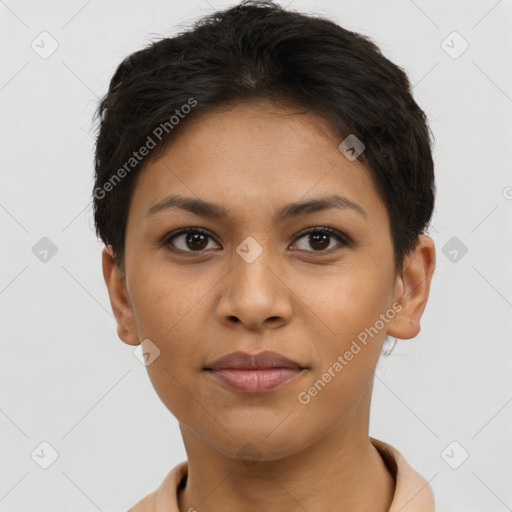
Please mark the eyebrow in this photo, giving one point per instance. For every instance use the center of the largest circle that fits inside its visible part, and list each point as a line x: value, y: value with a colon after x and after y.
x: 204, y: 208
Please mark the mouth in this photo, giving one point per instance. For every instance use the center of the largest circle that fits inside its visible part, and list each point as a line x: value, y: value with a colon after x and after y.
x: 254, y: 373
x: 255, y: 380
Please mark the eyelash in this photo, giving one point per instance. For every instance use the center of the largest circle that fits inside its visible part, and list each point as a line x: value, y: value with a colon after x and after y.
x: 343, y: 239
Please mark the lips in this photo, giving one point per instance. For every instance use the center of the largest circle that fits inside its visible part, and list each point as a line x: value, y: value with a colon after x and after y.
x: 261, y: 361
x: 254, y: 373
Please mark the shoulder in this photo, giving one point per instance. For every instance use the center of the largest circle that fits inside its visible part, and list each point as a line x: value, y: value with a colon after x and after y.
x: 146, y: 504
x: 413, y: 492
x: 165, y: 498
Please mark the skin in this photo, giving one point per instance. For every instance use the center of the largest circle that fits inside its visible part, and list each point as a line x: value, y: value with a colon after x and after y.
x: 306, y: 304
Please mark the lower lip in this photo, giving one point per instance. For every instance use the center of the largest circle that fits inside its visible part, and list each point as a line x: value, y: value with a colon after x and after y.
x: 255, y: 381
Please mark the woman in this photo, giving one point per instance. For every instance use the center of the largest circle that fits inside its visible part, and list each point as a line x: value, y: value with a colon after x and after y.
x: 263, y: 184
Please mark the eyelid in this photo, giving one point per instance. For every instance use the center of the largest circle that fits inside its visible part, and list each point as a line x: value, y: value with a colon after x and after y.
x: 325, y: 229
x: 166, y: 240
x: 343, y: 239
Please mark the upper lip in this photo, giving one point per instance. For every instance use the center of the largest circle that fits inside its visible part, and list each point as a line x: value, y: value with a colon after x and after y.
x: 245, y: 361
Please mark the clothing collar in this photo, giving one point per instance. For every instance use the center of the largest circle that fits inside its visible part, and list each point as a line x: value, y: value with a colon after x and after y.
x: 412, y: 492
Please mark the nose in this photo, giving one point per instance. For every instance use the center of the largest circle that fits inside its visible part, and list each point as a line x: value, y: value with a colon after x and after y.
x: 256, y: 294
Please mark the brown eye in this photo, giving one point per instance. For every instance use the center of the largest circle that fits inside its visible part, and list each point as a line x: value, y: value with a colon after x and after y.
x: 190, y: 240
x: 320, y: 239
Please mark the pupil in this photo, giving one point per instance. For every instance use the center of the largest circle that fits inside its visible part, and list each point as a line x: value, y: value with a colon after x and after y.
x: 196, y: 241
x: 316, y: 237
x: 317, y: 240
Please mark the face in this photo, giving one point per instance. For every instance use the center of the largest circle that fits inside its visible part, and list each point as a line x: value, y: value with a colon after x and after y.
x: 252, y: 279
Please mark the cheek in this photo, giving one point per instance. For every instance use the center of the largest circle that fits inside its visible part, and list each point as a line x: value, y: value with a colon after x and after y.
x: 349, y: 299
x: 167, y: 310
x: 167, y: 300
x: 348, y: 350
x: 350, y: 304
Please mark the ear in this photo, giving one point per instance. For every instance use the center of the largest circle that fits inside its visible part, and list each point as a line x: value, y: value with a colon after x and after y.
x: 119, y: 300
x: 412, y: 288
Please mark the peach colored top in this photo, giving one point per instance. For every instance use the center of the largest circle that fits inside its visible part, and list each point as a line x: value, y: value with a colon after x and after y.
x: 412, y: 492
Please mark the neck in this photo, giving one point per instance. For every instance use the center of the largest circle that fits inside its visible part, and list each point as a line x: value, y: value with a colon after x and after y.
x: 350, y: 478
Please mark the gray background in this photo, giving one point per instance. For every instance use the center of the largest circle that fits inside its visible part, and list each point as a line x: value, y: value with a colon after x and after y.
x: 66, y: 378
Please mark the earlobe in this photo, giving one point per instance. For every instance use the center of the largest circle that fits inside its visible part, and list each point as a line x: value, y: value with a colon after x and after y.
x: 119, y: 299
x: 412, y: 289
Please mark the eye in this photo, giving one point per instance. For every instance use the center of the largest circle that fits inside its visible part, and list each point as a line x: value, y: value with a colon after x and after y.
x: 320, y: 237
x: 197, y: 240
x: 189, y: 240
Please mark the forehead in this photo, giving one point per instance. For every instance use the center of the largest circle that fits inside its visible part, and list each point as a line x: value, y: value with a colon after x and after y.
x: 252, y: 155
